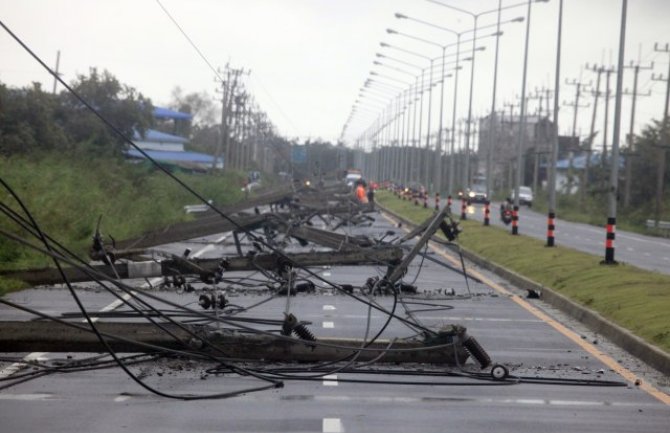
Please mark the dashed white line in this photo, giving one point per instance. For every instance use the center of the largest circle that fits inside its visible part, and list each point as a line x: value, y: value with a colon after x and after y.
x: 204, y: 250
x: 328, y: 325
x: 38, y: 356
x: 330, y: 380
x: 332, y: 425
x: 25, y: 397
x: 121, y: 398
x: 329, y: 308
x: 13, y: 368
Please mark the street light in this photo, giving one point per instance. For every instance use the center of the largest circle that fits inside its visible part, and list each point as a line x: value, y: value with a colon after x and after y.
x: 399, y: 118
x: 437, y: 175
x: 410, y: 169
x: 497, y: 34
x: 475, y: 17
x: 430, y: 92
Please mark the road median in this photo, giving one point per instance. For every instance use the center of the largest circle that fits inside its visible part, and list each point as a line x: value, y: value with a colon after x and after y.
x: 623, y: 303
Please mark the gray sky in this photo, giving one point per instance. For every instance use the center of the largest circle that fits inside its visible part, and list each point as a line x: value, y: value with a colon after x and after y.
x: 309, y: 58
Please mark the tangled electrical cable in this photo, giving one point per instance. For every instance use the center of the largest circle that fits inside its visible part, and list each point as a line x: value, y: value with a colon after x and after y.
x: 139, y: 304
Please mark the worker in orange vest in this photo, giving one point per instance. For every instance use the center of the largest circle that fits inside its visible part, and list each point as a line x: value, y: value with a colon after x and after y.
x: 360, y: 193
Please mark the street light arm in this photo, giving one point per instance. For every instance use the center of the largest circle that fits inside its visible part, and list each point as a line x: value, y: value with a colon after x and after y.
x: 454, y: 8
x: 380, y: 55
x: 427, y: 23
x: 416, y: 38
x: 475, y: 15
x: 394, y: 68
x: 385, y: 45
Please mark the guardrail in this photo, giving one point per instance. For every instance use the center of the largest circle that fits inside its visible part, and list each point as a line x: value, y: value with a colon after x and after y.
x: 663, y: 227
x: 196, y: 208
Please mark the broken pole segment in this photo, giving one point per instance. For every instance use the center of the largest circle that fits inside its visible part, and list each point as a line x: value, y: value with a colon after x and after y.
x: 48, y: 336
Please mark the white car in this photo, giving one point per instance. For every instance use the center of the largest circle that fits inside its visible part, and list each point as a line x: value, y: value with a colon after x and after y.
x: 352, y: 178
x: 525, y: 196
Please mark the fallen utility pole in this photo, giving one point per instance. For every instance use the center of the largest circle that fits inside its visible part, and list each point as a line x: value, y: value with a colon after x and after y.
x: 336, y: 241
x: 436, y: 222
x: 50, y: 336
x: 204, y: 226
x: 206, y: 268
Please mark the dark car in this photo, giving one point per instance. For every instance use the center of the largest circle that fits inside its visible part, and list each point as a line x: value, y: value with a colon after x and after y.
x: 415, y: 190
x: 475, y: 194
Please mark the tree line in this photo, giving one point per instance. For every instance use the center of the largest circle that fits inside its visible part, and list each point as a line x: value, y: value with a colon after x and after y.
x: 32, y: 120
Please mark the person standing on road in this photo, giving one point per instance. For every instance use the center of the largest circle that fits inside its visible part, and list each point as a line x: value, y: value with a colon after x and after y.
x: 360, y: 192
x: 371, y: 196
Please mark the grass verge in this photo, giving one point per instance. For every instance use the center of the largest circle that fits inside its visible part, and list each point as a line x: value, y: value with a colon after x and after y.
x: 633, y: 298
x: 66, y: 196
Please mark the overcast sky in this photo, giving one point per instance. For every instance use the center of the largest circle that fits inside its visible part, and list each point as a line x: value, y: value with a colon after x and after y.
x: 309, y: 58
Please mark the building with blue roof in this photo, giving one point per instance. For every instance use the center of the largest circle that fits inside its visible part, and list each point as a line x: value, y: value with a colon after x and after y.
x: 170, y: 148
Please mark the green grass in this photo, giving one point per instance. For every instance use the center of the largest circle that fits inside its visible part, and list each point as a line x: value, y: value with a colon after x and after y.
x: 67, y: 195
x: 635, y: 299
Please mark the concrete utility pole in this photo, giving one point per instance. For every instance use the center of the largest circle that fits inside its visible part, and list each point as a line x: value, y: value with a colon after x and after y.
x: 522, y: 128
x: 636, y: 67
x: 591, y: 138
x: 613, y: 190
x: 56, y: 72
x: 228, y: 87
x: 660, y: 174
x: 608, y: 74
x: 492, y: 136
x: 579, y: 87
x: 551, y: 214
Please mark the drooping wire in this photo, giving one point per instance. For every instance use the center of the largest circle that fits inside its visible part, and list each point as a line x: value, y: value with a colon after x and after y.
x: 184, y: 184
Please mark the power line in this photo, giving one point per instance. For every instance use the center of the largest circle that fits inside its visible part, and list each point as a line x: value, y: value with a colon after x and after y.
x: 190, y: 41
x: 216, y: 72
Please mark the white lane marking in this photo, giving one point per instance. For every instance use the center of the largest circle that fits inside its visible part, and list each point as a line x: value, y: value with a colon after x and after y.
x: 25, y: 397
x: 221, y: 239
x: 116, y: 304
x: 328, y: 325
x: 629, y: 249
x: 329, y: 308
x: 13, y: 368
x: 332, y: 425
x: 485, y: 400
x: 326, y: 274
x: 330, y: 380
x: 204, y: 250
x: 121, y: 398
x: 476, y: 319
x: 35, y: 356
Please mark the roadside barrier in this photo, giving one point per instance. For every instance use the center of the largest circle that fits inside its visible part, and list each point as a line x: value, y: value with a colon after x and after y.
x: 609, y: 242
x: 487, y: 212
x: 550, y: 229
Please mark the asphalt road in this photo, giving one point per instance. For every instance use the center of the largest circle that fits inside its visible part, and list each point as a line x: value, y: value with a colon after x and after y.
x: 646, y: 252
x: 528, y: 337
